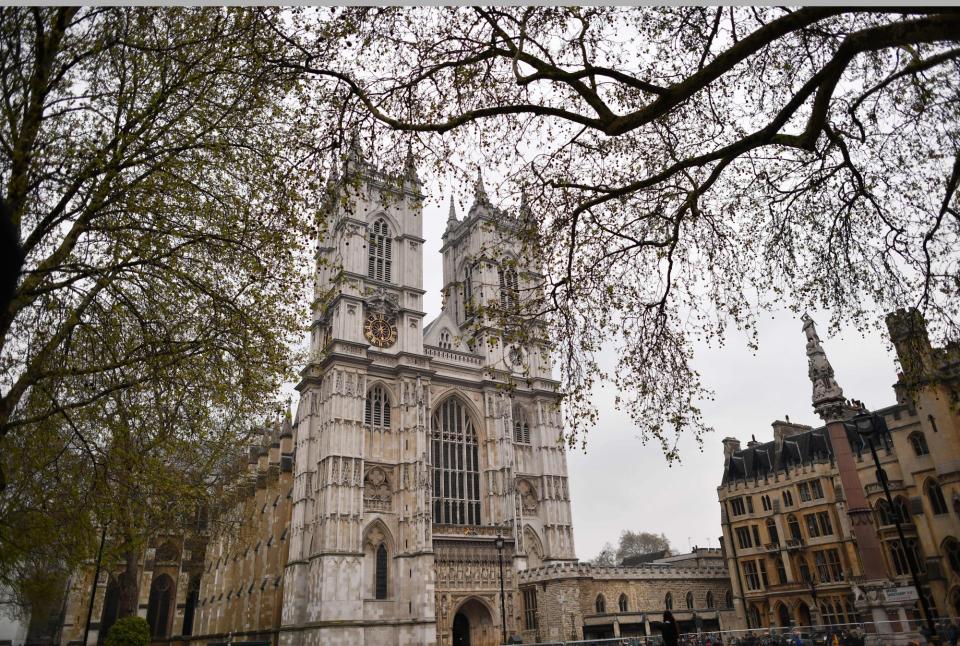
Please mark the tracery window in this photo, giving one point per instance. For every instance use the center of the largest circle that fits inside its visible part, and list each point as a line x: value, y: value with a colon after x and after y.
x: 509, y: 288
x: 446, y: 341
x: 380, y: 251
x: 935, y: 495
x: 376, y: 412
x: 772, y: 531
x: 158, y: 608
x: 456, y: 470
x: 882, y: 511
x: 521, y: 427
x: 381, y: 572
x: 622, y: 603
x: 903, y: 556
x: 794, y: 525
x: 781, y: 571
x: 919, y: 444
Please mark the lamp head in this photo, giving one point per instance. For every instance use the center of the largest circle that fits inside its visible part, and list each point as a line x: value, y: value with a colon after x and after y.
x: 498, y: 542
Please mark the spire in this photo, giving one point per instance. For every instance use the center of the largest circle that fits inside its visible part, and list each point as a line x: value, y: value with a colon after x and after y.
x: 828, y: 400
x: 479, y: 191
x: 452, y: 215
x: 409, y: 165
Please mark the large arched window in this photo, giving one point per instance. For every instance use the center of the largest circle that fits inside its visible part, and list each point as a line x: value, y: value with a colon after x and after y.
x: 509, y: 288
x: 622, y: 603
x: 158, y: 609
x: 189, y: 612
x: 803, y: 570
x: 456, y: 471
x: 380, y: 577
x: 781, y: 571
x: 919, y: 443
x: 689, y: 601
x: 668, y: 602
x: 380, y: 251
x: 376, y: 413
x: 935, y: 496
x: 601, y: 605
x: 882, y: 511
x: 111, y: 608
x: 521, y: 428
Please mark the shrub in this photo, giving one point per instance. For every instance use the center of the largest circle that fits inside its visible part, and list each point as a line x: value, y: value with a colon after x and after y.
x: 129, y: 631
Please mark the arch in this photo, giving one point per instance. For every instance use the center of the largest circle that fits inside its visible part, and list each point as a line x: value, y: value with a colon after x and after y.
x: 623, y: 604
x: 794, y: 526
x: 376, y: 408
x: 380, y: 250
x: 533, y: 546
x: 668, y: 601
x: 111, y: 608
x: 951, y: 548
x: 935, y: 496
x: 803, y: 614
x: 781, y: 570
x: 601, y: 604
x: 189, y: 611
x: 160, y: 608
x: 783, y: 615
x: 456, y: 467
x: 521, y: 425
x: 919, y: 443
x: 688, y: 599
x: 509, y: 287
x: 378, y: 548
x: 472, y: 623
x: 445, y: 340
x: 708, y: 600
x: 753, y: 617
x: 900, y: 507
x: 803, y: 570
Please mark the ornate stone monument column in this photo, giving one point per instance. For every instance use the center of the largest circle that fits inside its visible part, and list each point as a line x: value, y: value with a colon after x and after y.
x: 871, y: 593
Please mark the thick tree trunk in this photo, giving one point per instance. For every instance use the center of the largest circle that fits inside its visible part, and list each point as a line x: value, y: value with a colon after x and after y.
x: 129, y: 585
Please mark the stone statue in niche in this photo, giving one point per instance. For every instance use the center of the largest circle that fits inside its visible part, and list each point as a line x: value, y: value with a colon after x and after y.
x: 528, y: 496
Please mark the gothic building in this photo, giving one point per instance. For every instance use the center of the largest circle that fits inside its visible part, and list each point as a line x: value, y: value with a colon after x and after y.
x: 802, y: 542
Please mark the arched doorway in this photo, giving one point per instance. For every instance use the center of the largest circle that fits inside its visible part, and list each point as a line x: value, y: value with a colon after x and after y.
x: 159, y: 608
x: 783, y: 615
x: 803, y: 614
x: 473, y: 625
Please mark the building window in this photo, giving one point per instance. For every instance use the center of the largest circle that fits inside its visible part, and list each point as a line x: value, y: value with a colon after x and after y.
x: 509, y: 288
x: 468, y: 290
x: 756, y: 535
x: 622, y: 603
x: 380, y: 252
x: 751, y: 575
x: 787, y: 499
x: 521, y: 428
x: 919, y: 444
x: 902, y: 557
x: 794, y: 526
x: 689, y: 601
x: 736, y: 507
x: 823, y: 519
x: 952, y: 549
x: 381, y: 572
x: 158, y: 608
x: 743, y: 537
x: 456, y: 469
x: 816, y: 489
x: 376, y: 413
x: 668, y: 602
x: 812, y: 530
x: 765, y: 502
x: 935, y: 495
x: 803, y: 569
x: 804, y: 489
x: 749, y: 500
x: 530, y: 608
x: 446, y: 341
x: 781, y: 571
x: 709, y: 601
x: 882, y: 512
x: 601, y: 605
x: 762, y: 565
x: 728, y: 599
x: 772, y: 531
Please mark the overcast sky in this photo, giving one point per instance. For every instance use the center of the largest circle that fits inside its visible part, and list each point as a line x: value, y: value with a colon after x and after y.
x: 619, y: 483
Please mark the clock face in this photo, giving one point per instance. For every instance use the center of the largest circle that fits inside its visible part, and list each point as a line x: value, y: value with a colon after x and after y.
x: 380, y: 330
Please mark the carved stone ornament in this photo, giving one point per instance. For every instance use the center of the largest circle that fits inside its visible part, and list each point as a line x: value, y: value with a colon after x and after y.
x: 376, y: 490
x: 528, y: 496
x: 383, y: 302
x: 826, y: 391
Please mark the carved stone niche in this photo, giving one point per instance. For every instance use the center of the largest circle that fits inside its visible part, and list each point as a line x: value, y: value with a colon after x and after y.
x: 528, y: 496
x: 377, y: 495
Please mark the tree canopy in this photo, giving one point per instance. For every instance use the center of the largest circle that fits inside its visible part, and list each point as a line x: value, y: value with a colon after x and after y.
x: 158, y: 173
x: 683, y: 169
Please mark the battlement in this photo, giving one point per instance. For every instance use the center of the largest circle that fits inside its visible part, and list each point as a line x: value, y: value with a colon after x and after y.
x: 574, y: 570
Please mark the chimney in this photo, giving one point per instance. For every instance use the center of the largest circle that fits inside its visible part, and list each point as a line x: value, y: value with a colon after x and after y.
x: 730, y: 446
x: 753, y: 442
x: 784, y: 429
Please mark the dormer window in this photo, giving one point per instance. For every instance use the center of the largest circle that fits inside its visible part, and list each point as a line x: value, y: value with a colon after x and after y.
x: 380, y: 251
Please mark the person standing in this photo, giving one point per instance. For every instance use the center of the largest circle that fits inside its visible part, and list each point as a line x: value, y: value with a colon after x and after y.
x: 670, y: 632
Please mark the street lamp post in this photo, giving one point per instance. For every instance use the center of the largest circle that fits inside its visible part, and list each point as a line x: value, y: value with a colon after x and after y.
x: 499, y: 542
x: 869, y: 426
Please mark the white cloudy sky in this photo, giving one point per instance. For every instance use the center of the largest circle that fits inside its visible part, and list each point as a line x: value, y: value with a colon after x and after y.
x: 619, y: 483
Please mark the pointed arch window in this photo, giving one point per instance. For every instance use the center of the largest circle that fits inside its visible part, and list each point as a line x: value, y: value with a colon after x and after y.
x: 468, y: 290
x: 446, y: 341
x: 781, y: 571
x: 509, y: 288
x: 158, y: 608
x: 380, y: 251
x: 935, y: 495
x: 601, y: 605
x: 521, y: 427
x: 772, y: 531
x: 380, y: 577
x: 622, y: 603
x: 689, y: 601
x: 376, y: 413
x: 794, y: 526
x: 710, y: 602
x: 919, y: 444
x: 668, y: 602
x: 728, y: 599
x: 456, y: 469
x: 952, y: 549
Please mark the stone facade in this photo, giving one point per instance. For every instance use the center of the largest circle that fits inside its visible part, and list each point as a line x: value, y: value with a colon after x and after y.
x: 583, y: 601
x: 785, y: 516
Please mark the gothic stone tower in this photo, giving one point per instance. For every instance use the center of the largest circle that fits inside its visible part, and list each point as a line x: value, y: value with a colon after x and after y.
x: 360, y: 569
x: 412, y: 454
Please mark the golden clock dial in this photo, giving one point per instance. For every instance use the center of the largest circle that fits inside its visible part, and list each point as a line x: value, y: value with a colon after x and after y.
x: 380, y: 330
